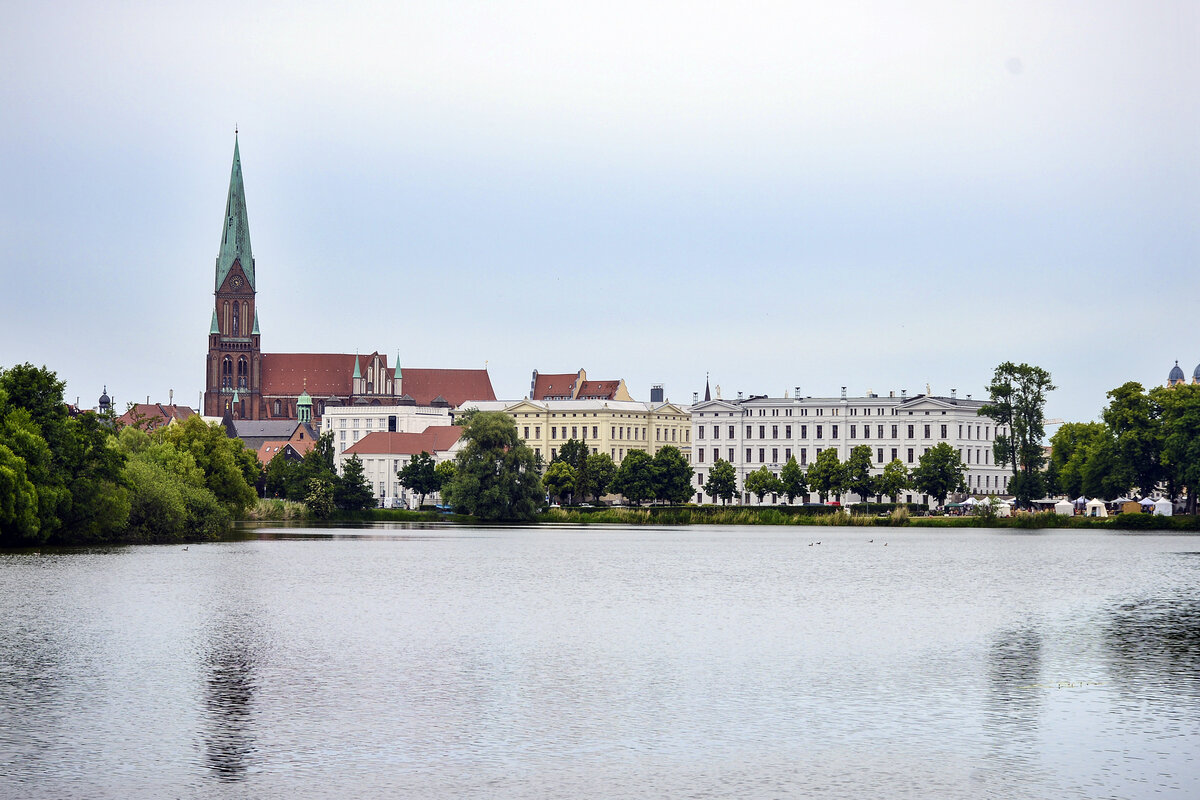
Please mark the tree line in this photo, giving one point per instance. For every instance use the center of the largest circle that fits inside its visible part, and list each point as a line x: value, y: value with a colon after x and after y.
x: 78, y: 479
x: 938, y: 472
x: 1144, y: 440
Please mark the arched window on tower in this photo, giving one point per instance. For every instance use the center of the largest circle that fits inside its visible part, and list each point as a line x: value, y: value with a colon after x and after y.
x: 243, y: 367
x: 227, y: 373
x: 236, y: 318
x: 278, y: 409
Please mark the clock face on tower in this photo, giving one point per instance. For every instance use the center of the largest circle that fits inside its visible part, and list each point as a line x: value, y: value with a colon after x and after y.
x: 236, y: 282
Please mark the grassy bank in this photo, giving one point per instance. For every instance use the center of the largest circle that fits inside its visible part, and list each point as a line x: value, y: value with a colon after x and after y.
x: 284, y: 510
x: 709, y: 515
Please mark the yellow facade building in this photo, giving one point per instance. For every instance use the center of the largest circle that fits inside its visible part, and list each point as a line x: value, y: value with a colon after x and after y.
x: 605, y: 426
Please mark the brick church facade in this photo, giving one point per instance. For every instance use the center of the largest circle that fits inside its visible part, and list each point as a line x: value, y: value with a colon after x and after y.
x: 248, y: 384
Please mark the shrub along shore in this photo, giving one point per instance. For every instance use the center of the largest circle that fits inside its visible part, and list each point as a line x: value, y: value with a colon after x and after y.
x: 784, y: 515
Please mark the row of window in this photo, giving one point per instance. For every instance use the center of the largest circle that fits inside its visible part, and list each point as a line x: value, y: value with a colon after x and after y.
x: 617, y: 432
x: 983, y: 457
x: 927, y: 430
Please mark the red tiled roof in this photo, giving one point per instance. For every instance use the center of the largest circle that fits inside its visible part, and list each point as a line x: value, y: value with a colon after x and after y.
x: 456, y: 386
x: 554, y: 385
x: 155, y: 414
x: 321, y: 374
x: 602, y: 389
x: 269, y: 450
x: 433, y: 439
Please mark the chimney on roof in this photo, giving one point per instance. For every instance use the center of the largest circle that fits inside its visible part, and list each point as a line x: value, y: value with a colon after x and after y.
x: 170, y: 397
x: 953, y: 394
x: 904, y: 394
x: 843, y: 392
x: 695, y: 398
x: 892, y: 393
x: 739, y: 395
x: 797, y: 392
x: 656, y: 393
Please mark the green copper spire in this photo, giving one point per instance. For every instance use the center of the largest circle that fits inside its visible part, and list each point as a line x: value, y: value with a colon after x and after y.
x: 253, y: 332
x: 398, y: 376
x: 357, y: 374
x: 235, y: 233
x: 214, y: 329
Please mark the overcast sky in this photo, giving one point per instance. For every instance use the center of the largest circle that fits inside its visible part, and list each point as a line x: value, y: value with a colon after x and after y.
x: 872, y: 195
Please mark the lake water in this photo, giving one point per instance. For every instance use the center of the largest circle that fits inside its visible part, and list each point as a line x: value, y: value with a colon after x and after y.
x: 606, y: 662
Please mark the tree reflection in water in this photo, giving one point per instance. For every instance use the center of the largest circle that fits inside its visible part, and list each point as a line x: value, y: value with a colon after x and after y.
x: 230, y: 686
x: 1013, y: 706
x: 1153, y: 648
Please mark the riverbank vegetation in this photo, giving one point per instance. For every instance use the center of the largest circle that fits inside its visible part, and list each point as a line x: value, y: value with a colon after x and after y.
x: 77, y: 478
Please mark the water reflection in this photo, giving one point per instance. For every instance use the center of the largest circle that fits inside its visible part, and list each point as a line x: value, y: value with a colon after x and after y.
x: 231, y: 683
x: 1013, y: 703
x: 31, y: 707
x: 1153, y: 647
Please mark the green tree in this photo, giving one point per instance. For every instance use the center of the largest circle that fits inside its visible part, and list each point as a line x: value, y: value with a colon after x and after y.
x: 445, y: 473
x: 1070, y: 447
x: 599, y: 475
x: 894, y: 480
x: 939, y: 472
x: 1017, y: 406
x: 575, y: 454
x: 826, y: 476
x: 352, y: 491
x: 1132, y: 416
x: 1101, y: 473
x: 559, y: 480
x: 278, y: 476
x: 672, y: 476
x: 857, y: 472
x: 496, y: 476
x: 420, y: 476
x: 19, y: 520
x: 722, y: 481
x: 230, y: 470
x: 1181, y: 438
x: 635, y: 477
x: 320, y: 498
x: 69, y: 462
x: 792, y: 481
x: 762, y: 482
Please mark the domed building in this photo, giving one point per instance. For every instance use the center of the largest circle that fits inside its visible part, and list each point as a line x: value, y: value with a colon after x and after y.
x: 1177, y: 378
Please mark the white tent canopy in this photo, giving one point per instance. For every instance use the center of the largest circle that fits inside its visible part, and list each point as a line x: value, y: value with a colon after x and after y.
x: 1064, y: 507
x: 970, y: 501
x: 1095, y: 508
x: 1164, y: 508
x: 1147, y: 501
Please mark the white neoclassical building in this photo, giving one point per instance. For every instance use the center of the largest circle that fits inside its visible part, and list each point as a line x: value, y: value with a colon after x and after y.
x: 351, y: 423
x: 756, y: 431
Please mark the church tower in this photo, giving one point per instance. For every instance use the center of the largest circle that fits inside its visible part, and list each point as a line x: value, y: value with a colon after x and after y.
x: 234, y: 367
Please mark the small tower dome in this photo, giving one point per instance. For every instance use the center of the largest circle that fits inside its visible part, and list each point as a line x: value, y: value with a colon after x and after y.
x: 106, y: 401
x: 1196, y: 374
x: 304, y: 406
x: 1176, y: 376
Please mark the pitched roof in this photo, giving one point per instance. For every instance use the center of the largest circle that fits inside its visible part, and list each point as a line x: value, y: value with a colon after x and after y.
x: 269, y: 449
x: 326, y: 373
x: 456, y: 386
x: 603, y: 389
x: 266, y: 428
x: 561, y: 385
x: 155, y: 414
x: 435, y: 438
